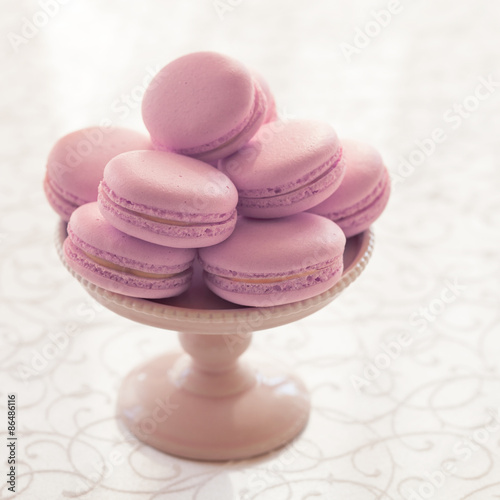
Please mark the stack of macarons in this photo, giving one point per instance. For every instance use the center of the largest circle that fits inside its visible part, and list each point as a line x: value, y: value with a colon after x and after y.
x: 263, y: 205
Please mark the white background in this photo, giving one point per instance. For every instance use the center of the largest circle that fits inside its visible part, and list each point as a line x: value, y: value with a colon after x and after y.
x: 439, y: 238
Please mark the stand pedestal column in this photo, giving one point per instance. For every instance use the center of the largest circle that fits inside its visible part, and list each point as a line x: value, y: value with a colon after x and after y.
x: 207, y: 404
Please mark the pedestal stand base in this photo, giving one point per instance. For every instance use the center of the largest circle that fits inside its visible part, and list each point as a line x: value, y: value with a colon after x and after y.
x: 269, y: 409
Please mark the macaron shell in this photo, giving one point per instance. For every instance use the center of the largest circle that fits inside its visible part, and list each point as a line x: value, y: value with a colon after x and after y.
x: 365, y: 217
x: 364, y: 171
x: 60, y: 205
x: 288, y: 167
x: 235, y: 142
x: 169, y: 186
x: 194, y: 236
x: 120, y: 282
x: 275, y: 247
x: 91, y: 232
x: 92, y: 242
x: 274, y: 294
x: 199, y: 102
x: 281, y: 157
x: 76, y: 162
x: 364, y: 192
x: 297, y: 201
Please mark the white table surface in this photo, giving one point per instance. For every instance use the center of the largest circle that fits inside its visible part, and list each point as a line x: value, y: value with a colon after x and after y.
x: 429, y: 409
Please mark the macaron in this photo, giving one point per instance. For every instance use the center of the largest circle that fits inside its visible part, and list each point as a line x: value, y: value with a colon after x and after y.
x: 364, y: 192
x: 205, y: 105
x: 288, y: 167
x: 275, y: 261
x: 168, y: 199
x: 120, y: 263
x: 271, y: 111
x: 76, y: 163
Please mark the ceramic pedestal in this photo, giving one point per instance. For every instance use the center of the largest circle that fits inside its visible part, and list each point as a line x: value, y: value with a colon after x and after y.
x: 205, y: 403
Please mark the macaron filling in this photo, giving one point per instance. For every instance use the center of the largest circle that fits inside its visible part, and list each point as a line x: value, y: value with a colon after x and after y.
x: 273, y: 283
x: 256, y: 112
x: 126, y: 264
x: 170, y: 218
x: 130, y: 280
x: 61, y: 205
x: 128, y: 270
x: 313, y: 182
x: 65, y: 196
x: 176, y: 232
x: 364, y: 204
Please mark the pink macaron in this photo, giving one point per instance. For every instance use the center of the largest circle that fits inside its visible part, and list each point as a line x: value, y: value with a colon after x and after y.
x: 271, y: 111
x: 76, y: 164
x: 205, y: 105
x: 364, y: 192
x: 275, y: 261
x: 168, y: 199
x: 288, y: 167
x: 113, y: 260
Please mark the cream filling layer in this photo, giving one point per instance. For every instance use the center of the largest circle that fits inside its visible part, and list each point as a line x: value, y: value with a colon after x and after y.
x: 299, y: 188
x: 128, y: 270
x: 277, y: 279
x: 305, y: 186
x: 59, y: 196
x: 152, y: 217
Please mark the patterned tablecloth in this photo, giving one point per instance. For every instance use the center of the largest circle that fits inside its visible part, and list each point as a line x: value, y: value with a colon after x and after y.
x: 403, y: 368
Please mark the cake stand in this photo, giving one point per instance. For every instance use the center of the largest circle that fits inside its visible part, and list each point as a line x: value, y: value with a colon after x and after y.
x: 205, y: 403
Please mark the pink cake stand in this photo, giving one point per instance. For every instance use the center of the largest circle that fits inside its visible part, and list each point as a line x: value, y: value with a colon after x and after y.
x: 205, y: 403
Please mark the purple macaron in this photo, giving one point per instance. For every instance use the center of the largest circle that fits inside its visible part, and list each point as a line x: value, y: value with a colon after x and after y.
x: 76, y: 163
x: 288, y: 167
x: 115, y: 261
x: 168, y: 199
x: 363, y: 193
x: 267, y: 262
x: 205, y: 105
